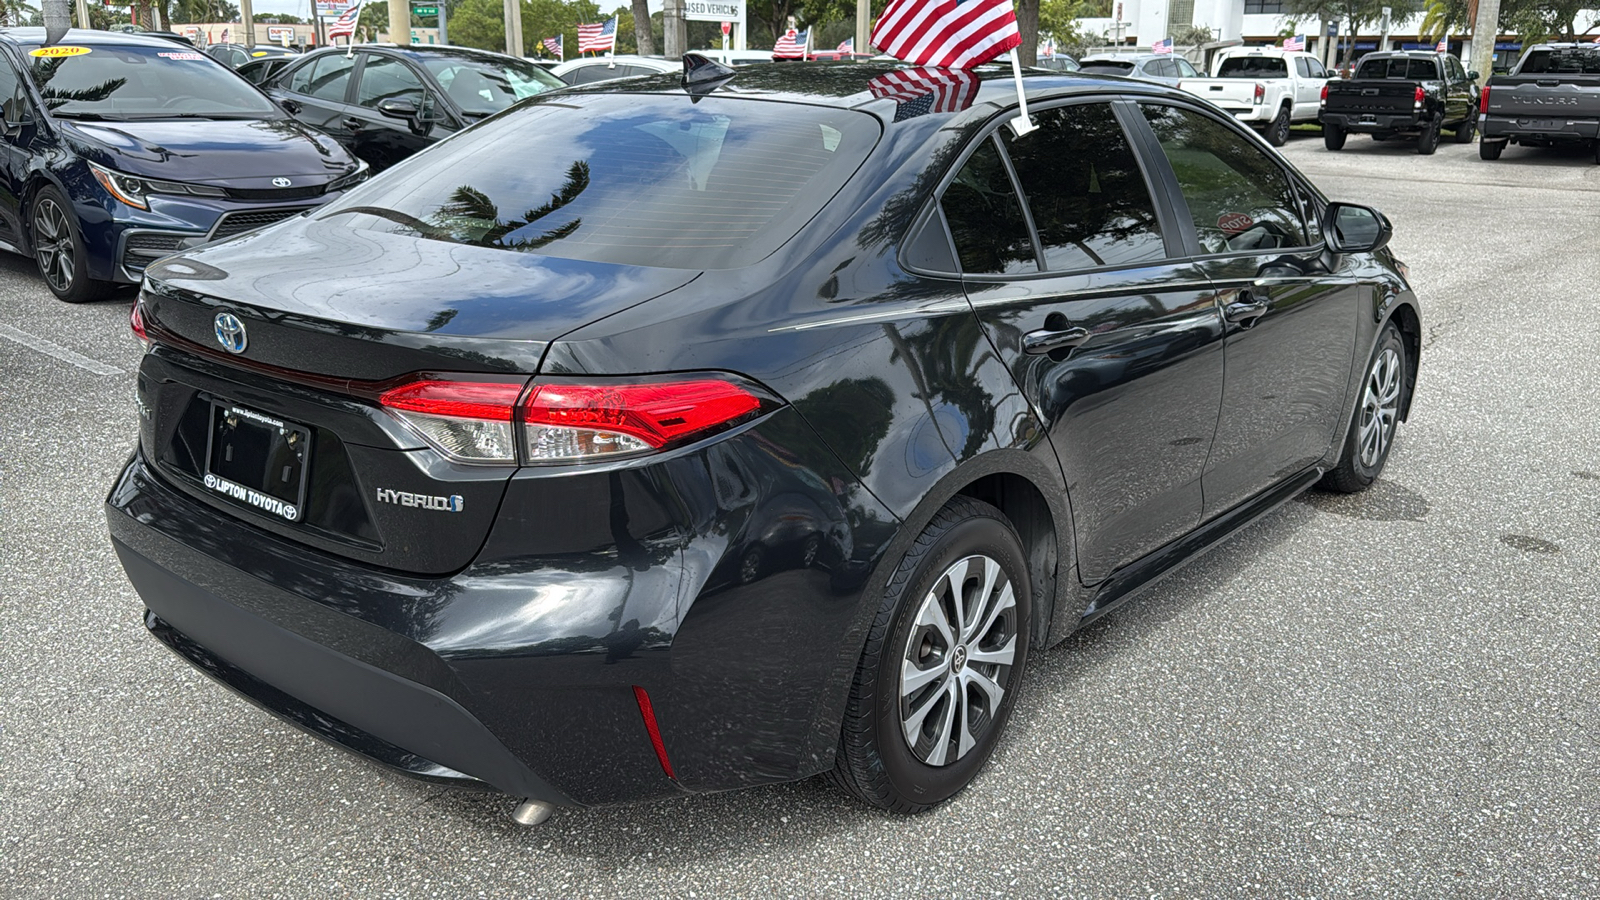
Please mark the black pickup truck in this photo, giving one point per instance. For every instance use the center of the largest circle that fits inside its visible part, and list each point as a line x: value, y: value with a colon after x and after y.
x: 1412, y: 92
x: 1551, y: 97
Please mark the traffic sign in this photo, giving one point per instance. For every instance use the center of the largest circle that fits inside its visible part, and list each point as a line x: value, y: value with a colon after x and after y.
x: 424, y: 10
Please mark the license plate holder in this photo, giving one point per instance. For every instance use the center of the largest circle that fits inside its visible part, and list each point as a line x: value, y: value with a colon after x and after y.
x: 258, y: 460
x: 1540, y: 124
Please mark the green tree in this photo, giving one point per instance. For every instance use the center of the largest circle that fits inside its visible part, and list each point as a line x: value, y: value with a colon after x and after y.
x: 1356, y: 15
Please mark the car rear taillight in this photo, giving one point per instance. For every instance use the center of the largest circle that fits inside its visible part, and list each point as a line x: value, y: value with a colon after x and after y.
x: 1420, y: 95
x: 1261, y: 92
x: 136, y: 322
x: 1483, y: 100
x: 468, y: 421
x: 490, y: 422
x: 1324, y: 93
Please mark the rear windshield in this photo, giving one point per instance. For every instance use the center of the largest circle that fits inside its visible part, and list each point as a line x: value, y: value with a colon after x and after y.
x: 1568, y: 60
x: 636, y: 179
x: 1399, y: 67
x: 136, y: 82
x: 1253, y: 67
x: 1106, y: 67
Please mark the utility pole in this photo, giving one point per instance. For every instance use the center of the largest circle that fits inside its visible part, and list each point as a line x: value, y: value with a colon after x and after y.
x: 676, y: 35
x: 513, y: 27
x: 1485, y: 31
x: 249, y: 25
x: 83, y: 14
x: 863, y: 32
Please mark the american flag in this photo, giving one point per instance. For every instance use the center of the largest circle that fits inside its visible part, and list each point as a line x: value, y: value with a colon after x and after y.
x: 957, y: 34
x: 596, y: 38
x: 1298, y: 42
x: 848, y: 45
x: 793, y: 45
x: 553, y: 47
x: 917, y: 92
x: 1444, y: 44
x: 345, y: 25
x: 1162, y: 46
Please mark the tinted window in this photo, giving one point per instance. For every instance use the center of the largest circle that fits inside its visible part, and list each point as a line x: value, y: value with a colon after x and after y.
x: 1238, y: 197
x: 1184, y: 69
x: 1317, y: 71
x: 143, y: 82
x: 637, y: 179
x: 481, y: 85
x: 1106, y: 67
x: 1301, y: 67
x: 326, y: 77
x: 590, y: 74
x: 981, y: 206
x: 1085, y: 189
x: 13, y: 107
x: 385, y: 78
x: 1253, y: 67
x: 1399, y: 68
x: 1571, y: 60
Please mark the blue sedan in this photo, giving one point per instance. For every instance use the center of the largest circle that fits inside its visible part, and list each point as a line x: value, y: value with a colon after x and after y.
x: 119, y: 149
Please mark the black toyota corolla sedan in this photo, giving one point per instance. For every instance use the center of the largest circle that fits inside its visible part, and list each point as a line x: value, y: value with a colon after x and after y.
x: 762, y: 429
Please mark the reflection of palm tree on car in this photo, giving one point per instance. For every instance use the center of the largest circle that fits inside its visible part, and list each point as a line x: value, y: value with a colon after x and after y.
x: 470, y: 209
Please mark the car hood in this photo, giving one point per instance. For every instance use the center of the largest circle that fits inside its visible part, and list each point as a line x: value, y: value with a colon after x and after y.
x: 231, y: 152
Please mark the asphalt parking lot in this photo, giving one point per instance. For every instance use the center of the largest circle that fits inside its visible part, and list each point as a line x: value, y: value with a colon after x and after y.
x: 1395, y: 693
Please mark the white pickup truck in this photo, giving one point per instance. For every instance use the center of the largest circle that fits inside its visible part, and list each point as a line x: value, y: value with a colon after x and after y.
x: 1269, y: 88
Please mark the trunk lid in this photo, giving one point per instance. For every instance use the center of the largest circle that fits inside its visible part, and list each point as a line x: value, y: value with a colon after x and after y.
x: 1548, y: 96
x: 1379, y: 95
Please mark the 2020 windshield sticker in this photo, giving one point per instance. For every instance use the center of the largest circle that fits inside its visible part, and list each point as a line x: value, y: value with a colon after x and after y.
x: 253, y: 497
x: 58, y: 52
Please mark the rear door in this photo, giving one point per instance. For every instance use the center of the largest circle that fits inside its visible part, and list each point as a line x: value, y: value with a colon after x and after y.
x: 319, y: 90
x: 1116, y: 344
x: 1290, y: 321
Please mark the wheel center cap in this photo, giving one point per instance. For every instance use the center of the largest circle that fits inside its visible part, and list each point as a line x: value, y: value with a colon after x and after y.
x: 958, y: 659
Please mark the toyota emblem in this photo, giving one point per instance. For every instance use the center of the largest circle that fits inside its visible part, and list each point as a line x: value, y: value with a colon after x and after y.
x: 281, y: 182
x: 230, y: 332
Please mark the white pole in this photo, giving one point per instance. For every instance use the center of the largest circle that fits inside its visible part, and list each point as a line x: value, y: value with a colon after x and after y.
x: 1021, y: 125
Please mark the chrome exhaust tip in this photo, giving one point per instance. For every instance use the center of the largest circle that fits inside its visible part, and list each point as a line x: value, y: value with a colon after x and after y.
x: 532, y: 812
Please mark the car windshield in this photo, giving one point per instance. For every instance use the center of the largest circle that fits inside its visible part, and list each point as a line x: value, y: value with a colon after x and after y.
x: 482, y: 86
x: 139, y: 82
x: 1253, y: 67
x: 636, y: 179
x: 1106, y: 67
x: 1562, y: 60
x: 1399, y: 68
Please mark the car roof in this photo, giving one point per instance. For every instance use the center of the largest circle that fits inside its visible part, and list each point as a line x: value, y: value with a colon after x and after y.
x: 84, y: 37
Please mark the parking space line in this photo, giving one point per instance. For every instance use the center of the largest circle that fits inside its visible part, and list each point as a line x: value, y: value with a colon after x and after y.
x: 49, y: 348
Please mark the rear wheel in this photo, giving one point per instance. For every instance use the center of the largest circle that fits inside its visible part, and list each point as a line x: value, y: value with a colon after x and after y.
x: 1428, y: 140
x: 942, y: 663
x: 1278, y: 130
x: 58, y: 249
x: 1492, y: 149
x: 1333, y: 137
x: 1377, y: 417
x: 1467, y: 130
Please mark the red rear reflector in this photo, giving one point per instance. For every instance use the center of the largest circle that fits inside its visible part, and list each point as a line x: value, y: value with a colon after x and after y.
x: 136, y: 322
x: 1483, y: 100
x: 455, y: 399
x: 656, y: 414
x: 649, y: 714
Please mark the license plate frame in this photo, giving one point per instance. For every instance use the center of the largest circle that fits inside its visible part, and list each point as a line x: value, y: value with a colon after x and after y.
x: 242, y: 442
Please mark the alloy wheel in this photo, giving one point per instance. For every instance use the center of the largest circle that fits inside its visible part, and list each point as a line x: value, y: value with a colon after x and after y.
x: 1380, y: 407
x: 957, y: 660
x: 52, y: 239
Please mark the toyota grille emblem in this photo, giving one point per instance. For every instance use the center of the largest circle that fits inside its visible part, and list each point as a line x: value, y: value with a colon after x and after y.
x: 281, y: 182
x: 230, y: 333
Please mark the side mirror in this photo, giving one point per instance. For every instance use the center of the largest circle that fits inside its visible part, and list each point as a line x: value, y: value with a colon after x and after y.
x: 1473, y: 75
x: 1351, y: 228
x: 398, y: 108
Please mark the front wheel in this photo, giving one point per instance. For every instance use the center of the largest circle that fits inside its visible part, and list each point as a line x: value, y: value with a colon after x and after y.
x: 1377, y: 417
x: 1278, y: 130
x: 59, y: 251
x: 1333, y: 137
x: 1492, y: 149
x: 942, y: 664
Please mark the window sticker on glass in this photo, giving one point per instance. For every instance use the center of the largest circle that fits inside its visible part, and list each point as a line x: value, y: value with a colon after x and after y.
x: 830, y: 137
x: 181, y: 55
x: 57, y: 52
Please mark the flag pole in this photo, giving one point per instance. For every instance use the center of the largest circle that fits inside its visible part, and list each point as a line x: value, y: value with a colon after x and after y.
x: 611, y: 52
x: 1022, y: 124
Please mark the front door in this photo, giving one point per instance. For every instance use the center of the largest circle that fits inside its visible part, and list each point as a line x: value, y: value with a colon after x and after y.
x: 1290, y: 322
x: 379, y: 139
x: 1116, y: 346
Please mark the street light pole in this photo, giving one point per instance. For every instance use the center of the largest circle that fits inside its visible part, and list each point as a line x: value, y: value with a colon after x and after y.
x: 248, y: 26
x: 399, y: 22
x: 1485, y: 32
x: 863, y: 33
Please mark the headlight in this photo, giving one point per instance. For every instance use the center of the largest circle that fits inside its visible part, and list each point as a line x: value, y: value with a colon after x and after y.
x: 362, y: 173
x: 126, y: 188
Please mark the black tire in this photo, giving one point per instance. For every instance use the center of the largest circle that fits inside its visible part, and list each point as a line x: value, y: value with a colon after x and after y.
x: 1333, y: 137
x: 1382, y: 392
x: 58, y: 249
x: 1490, y: 149
x: 1467, y: 129
x: 1428, y: 140
x: 876, y: 762
x: 1278, y: 129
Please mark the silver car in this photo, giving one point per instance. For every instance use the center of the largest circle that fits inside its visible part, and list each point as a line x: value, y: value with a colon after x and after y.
x: 1166, y: 68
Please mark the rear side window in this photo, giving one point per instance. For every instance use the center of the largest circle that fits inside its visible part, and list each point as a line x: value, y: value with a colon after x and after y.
x: 636, y: 179
x: 1086, y: 191
x: 1572, y: 61
x: 1239, y: 199
x: 985, y: 220
x: 1253, y: 67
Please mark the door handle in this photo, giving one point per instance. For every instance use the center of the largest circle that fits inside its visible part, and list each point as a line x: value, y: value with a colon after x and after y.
x: 1047, y: 340
x: 352, y: 123
x: 1246, y: 309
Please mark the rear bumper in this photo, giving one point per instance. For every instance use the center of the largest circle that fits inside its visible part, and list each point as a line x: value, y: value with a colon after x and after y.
x: 1555, y: 129
x: 1256, y: 115
x: 1365, y: 123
